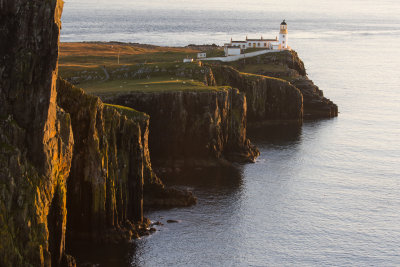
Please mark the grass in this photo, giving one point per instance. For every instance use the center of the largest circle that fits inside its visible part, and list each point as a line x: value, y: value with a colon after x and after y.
x: 158, y: 84
x: 138, y: 71
x: 128, y: 112
x: 217, y: 52
x: 254, y: 49
x: 253, y: 76
x: 253, y: 68
x: 141, y: 68
x: 99, y: 54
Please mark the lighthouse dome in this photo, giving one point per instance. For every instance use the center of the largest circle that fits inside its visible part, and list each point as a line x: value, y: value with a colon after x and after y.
x: 283, y: 22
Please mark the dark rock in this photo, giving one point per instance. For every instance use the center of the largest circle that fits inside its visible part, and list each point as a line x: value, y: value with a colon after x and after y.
x: 105, y: 187
x: 36, y: 139
x: 287, y: 65
x: 159, y: 196
x: 106, y: 170
x: 316, y: 106
x: 203, y: 126
x: 172, y: 221
x: 268, y: 99
x: 68, y: 261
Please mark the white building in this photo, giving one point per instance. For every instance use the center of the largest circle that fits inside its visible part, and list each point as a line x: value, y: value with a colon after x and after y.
x: 283, y: 36
x: 275, y: 44
x: 201, y: 55
x: 232, y: 50
x: 187, y: 60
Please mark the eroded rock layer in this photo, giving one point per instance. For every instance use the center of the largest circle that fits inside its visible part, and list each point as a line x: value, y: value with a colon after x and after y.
x: 268, y: 99
x: 287, y: 65
x: 111, y: 169
x: 105, y: 188
x: 35, y: 136
x: 316, y: 106
x: 193, y: 127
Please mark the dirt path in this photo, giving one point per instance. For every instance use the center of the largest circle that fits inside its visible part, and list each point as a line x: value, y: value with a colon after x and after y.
x: 106, y: 73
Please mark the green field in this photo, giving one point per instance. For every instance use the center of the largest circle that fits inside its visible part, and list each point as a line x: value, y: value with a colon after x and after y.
x: 143, y: 68
x: 148, y: 85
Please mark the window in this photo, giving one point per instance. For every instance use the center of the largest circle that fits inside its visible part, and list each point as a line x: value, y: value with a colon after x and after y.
x: 258, y: 44
x: 283, y: 42
x: 265, y: 44
x: 283, y: 36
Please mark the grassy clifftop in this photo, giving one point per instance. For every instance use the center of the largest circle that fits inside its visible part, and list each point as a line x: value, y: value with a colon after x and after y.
x: 97, y: 53
x: 157, y: 84
x: 141, y: 68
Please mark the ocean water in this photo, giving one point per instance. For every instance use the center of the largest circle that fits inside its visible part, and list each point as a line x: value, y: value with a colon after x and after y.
x: 325, y: 194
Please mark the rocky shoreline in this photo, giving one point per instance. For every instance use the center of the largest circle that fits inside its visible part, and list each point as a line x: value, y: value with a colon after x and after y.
x: 75, y: 166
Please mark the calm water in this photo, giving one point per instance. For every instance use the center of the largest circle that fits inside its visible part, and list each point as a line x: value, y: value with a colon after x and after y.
x: 325, y: 194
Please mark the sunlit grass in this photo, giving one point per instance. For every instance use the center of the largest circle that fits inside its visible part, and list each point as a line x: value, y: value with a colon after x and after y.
x: 257, y: 76
x: 92, y: 54
x: 158, y: 84
x: 127, y: 111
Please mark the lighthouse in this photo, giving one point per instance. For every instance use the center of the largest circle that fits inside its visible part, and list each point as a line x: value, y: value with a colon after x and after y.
x: 283, y: 36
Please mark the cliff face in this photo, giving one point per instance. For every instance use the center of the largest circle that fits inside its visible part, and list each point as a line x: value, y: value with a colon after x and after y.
x: 105, y: 188
x: 186, y: 127
x: 87, y: 163
x: 35, y: 136
x: 316, y: 106
x: 268, y: 99
x: 287, y: 65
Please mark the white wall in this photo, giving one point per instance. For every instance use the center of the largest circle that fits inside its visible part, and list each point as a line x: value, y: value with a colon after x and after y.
x: 259, y: 44
x: 241, y: 45
x: 283, y: 40
x: 233, y: 51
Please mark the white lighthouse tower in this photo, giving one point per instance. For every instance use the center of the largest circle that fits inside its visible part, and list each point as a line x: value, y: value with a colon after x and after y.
x: 283, y: 36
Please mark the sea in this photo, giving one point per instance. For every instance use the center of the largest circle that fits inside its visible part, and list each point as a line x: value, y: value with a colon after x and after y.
x: 323, y: 194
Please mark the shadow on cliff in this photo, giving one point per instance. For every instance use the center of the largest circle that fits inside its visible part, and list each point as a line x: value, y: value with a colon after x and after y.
x: 104, y: 255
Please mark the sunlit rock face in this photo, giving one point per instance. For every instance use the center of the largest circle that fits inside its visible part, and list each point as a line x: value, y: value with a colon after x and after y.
x: 268, y: 99
x: 36, y: 139
x: 105, y: 188
x: 193, y: 127
x: 48, y: 173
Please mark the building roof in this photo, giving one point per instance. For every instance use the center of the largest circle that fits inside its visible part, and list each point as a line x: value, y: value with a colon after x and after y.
x: 238, y: 41
x: 283, y: 22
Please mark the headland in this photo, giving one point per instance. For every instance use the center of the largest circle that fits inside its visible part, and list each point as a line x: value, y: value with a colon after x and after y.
x: 75, y: 151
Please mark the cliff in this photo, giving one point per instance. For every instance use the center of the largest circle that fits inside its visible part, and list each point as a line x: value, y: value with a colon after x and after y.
x: 75, y: 169
x: 192, y: 127
x: 35, y: 136
x: 288, y: 66
x: 73, y: 166
x: 111, y: 166
x: 105, y: 187
x: 268, y: 99
x: 316, y: 106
